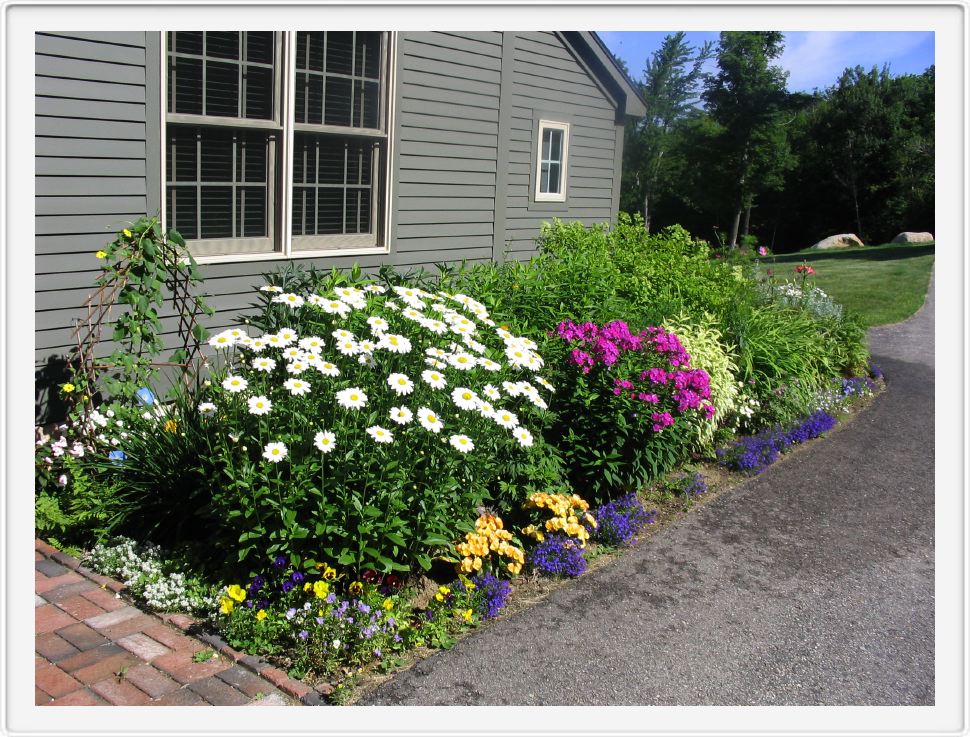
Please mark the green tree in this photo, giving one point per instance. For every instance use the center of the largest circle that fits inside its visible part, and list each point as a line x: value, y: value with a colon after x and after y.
x: 670, y: 86
x: 872, y: 134
x: 748, y: 99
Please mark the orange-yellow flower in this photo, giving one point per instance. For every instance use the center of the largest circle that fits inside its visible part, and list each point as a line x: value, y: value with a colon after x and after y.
x: 261, y: 615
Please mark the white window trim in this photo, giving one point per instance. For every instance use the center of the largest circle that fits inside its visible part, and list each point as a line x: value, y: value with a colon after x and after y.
x: 563, y: 170
x: 288, y: 104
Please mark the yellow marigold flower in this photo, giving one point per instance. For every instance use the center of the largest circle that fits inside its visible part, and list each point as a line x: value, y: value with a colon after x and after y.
x: 101, y: 254
x: 68, y: 388
x: 225, y: 605
x: 261, y: 615
x: 127, y: 233
x: 170, y: 426
x: 467, y: 615
x: 321, y: 589
x: 356, y: 587
x: 388, y: 604
x: 236, y: 592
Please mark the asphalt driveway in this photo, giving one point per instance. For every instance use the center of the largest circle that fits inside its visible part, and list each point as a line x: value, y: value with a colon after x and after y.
x: 811, y: 584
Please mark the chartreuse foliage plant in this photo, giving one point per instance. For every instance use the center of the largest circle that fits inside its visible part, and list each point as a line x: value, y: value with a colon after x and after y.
x: 366, y: 429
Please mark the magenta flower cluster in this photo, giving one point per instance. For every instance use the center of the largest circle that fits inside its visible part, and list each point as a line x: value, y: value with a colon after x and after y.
x: 686, y: 388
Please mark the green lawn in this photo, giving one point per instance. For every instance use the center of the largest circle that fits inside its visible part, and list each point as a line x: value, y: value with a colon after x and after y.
x: 884, y: 284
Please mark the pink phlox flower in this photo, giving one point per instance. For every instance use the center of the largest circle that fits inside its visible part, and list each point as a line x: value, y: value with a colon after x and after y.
x: 661, y: 420
x: 709, y: 410
x: 657, y: 376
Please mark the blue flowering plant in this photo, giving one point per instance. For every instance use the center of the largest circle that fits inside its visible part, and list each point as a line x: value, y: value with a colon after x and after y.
x: 621, y: 520
x: 558, y: 555
x: 489, y: 594
x: 753, y: 454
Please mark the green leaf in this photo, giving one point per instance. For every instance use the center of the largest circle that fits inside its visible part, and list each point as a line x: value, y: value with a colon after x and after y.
x: 424, y: 561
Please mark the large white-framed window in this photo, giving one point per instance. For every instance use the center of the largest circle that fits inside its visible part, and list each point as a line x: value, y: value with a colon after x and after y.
x: 276, y: 143
x: 551, y: 160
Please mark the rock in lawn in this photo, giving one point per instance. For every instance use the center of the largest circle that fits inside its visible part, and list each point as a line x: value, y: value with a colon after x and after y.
x: 844, y: 240
x: 908, y: 237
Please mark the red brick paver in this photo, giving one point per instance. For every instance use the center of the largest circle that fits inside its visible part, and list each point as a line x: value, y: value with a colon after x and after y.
x: 93, y: 648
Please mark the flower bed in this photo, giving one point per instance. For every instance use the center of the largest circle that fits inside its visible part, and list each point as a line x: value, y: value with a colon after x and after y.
x: 354, y: 440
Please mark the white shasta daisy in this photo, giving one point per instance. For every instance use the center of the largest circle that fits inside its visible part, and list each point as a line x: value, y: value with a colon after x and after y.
x: 401, y: 415
x: 400, y: 383
x: 352, y: 398
x: 461, y: 443
x: 234, y: 384
x: 290, y: 299
x: 274, y: 452
x: 259, y: 405
x: 297, y: 387
x: 434, y: 379
x: 395, y: 343
x: 380, y: 434
x: 264, y: 364
x: 464, y: 398
x: 523, y: 436
x: 325, y: 441
x: 429, y: 420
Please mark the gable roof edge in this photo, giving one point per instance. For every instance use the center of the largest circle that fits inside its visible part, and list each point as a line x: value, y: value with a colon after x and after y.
x: 601, y: 62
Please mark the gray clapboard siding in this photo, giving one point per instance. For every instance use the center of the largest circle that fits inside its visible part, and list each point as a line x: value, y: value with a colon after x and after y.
x: 447, y: 112
x: 551, y: 83
x: 90, y: 166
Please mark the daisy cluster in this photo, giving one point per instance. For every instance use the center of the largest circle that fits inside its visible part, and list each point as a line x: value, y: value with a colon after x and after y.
x: 426, y: 362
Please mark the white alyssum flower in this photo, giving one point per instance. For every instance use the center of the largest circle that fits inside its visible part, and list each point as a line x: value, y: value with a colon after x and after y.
x: 259, y: 405
x: 325, y: 441
x: 461, y: 443
x: 400, y: 383
x: 289, y: 299
x: 429, y: 420
x: 380, y: 434
x: 297, y: 387
x: 401, y: 415
x: 274, y: 452
x: 464, y: 398
x: 263, y: 364
x: 234, y: 384
x: 352, y: 398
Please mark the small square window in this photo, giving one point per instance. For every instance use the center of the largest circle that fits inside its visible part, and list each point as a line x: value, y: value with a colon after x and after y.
x: 551, y: 160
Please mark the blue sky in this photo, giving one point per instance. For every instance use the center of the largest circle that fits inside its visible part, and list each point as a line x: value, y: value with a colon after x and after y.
x: 814, y: 59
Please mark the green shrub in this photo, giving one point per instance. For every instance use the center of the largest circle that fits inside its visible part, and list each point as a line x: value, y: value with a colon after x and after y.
x: 370, y: 424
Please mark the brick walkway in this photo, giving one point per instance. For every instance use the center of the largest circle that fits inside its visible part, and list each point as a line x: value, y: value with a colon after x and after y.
x: 94, y: 648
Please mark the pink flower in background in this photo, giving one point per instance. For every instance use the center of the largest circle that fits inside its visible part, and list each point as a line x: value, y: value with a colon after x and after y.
x: 762, y: 251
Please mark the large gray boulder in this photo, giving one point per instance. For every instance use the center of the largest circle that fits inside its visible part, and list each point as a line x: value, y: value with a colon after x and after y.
x: 908, y: 237
x: 843, y: 240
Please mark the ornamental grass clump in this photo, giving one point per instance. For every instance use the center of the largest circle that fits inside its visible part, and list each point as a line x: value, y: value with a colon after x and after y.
x: 489, y: 537
x: 621, y: 520
x: 366, y: 425
x: 631, y: 407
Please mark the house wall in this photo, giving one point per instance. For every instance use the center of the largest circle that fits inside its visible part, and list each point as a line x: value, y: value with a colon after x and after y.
x: 463, y: 145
